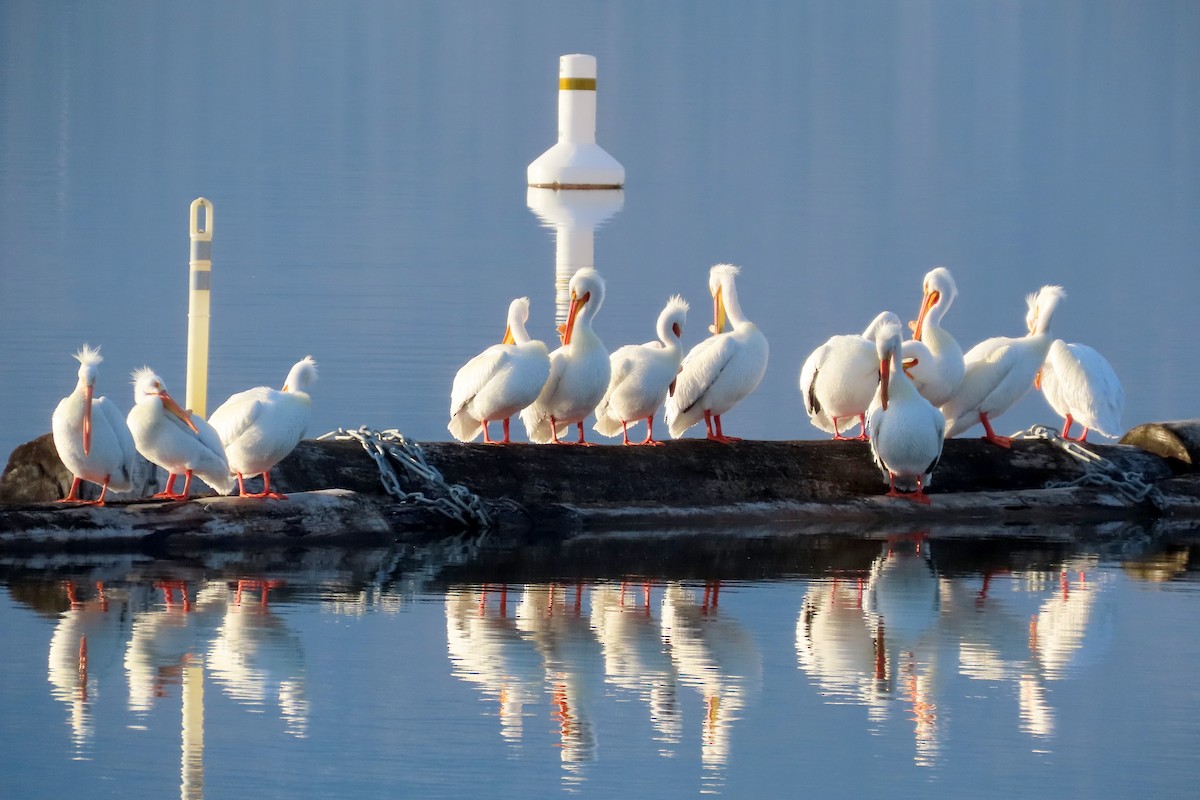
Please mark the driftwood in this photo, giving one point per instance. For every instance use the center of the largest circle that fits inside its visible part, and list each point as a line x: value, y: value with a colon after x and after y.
x: 337, y: 494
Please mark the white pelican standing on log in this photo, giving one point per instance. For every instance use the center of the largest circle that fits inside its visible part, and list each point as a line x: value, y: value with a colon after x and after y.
x: 1081, y: 386
x: 579, y: 370
x: 174, y: 439
x: 642, y: 375
x: 91, y: 436
x: 999, y: 371
x: 500, y: 381
x: 933, y: 358
x: 260, y: 426
x: 839, y: 378
x: 723, y: 369
x: 906, y: 430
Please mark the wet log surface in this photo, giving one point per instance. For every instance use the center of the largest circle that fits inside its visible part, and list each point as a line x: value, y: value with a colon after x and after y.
x: 337, y: 495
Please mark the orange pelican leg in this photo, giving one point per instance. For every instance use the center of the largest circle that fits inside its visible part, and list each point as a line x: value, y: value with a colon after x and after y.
x: 169, y: 492
x: 990, y: 435
x: 650, y: 440
x: 721, y: 437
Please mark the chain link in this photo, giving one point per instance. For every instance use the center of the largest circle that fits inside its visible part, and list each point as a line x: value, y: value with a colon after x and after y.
x: 456, y: 501
x: 1097, y: 470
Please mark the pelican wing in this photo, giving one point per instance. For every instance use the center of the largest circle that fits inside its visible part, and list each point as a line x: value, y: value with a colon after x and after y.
x: 122, y: 479
x: 622, y: 362
x: 536, y: 416
x: 239, y: 413
x: 1090, y: 387
x: 475, y: 374
x: 808, y: 379
x: 701, y: 368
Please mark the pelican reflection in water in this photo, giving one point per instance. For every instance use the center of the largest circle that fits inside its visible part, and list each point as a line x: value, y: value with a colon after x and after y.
x: 84, y: 650
x: 551, y: 617
x: 488, y: 649
x: 635, y: 659
x: 881, y: 641
x: 714, y: 655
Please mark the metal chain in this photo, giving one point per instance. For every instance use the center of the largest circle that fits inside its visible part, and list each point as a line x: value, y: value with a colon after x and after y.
x: 457, y: 501
x: 1097, y: 470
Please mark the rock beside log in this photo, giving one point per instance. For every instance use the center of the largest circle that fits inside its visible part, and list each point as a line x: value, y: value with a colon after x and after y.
x: 1177, y: 441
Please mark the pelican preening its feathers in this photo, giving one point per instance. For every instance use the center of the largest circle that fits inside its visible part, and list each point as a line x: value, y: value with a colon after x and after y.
x: 642, y: 376
x: 174, y: 439
x: 722, y: 370
x: 579, y: 369
x: 500, y: 381
x: 91, y: 436
x: 999, y: 371
x: 839, y: 378
x: 260, y: 426
x: 906, y: 430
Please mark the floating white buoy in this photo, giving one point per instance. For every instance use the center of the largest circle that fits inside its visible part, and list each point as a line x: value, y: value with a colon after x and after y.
x: 574, y: 215
x: 576, y: 161
x: 200, y: 282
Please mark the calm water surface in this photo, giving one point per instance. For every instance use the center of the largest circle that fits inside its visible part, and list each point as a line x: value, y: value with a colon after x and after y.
x: 739, y: 665
x: 367, y: 167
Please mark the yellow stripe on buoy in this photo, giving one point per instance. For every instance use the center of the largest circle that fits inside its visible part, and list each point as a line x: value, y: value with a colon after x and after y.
x: 579, y: 84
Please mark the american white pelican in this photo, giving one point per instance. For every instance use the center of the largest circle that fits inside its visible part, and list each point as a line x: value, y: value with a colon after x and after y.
x: 933, y: 358
x: 174, y: 439
x: 500, y: 381
x: 1081, y: 386
x: 91, y: 436
x: 579, y: 370
x: 905, y: 429
x: 839, y: 378
x: 720, y: 371
x: 999, y: 371
x: 642, y: 375
x: 260, y: 426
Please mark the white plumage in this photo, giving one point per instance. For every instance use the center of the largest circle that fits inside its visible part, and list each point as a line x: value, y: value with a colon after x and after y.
x: 933, y: 358
x: 500, y: 381
x: 91, y: 436
x: 999, y: 371
x: 839, y: 378
x: 906, y: 431
x: 1081, y: 386
x: 174, y: 439
x: 260, y: 426
x: 723, y: 369
x: 642, y: 376
x: 579, y: 370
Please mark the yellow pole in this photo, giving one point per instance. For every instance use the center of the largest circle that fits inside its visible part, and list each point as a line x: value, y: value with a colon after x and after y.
x: 196, y: 397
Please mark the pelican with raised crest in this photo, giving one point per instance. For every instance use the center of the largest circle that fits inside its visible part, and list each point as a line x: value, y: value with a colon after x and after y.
x: 500, y: 381
x: 579, y: 369
x: 176, y: 440
x: 260, y: 426
x: 722, y: 370
x: 91, y: 436
x: 642, y: 375
x: 999, y: 371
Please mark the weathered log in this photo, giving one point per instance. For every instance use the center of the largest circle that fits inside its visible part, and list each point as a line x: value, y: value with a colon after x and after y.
x: 689, y: 482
